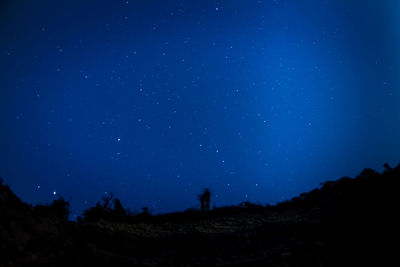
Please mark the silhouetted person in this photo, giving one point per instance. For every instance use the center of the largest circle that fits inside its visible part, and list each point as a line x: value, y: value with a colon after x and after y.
x: 205, y: 200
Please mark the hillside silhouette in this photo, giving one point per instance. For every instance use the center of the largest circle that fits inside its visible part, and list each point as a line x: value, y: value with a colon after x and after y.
x: 348, y: 222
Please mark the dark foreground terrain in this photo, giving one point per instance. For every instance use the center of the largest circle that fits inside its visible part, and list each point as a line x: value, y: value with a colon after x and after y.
x: 349, y: 222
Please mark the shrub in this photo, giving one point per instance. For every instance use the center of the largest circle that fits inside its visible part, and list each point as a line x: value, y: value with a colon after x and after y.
x: 58, y: 208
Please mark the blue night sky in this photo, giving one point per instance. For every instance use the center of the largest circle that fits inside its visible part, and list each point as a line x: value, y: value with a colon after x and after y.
x: 156, y: 100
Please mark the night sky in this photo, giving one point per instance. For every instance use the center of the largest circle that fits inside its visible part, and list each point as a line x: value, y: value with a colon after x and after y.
x: 156, y: 100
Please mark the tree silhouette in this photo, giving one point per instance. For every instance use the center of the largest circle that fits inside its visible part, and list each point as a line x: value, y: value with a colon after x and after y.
x: 108, y: 200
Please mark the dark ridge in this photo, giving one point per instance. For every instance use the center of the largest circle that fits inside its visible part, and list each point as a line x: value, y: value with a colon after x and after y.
x: 348, y: 222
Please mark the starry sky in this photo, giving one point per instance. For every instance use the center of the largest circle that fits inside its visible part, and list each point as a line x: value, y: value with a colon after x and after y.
x: 156, y: 100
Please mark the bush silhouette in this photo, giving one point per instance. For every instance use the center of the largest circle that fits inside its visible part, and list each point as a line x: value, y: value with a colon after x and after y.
x: 9, y: 199
x: 387, y: 167
x: 110, y: 209
x: 119, y: 212
x: 58, y: 208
